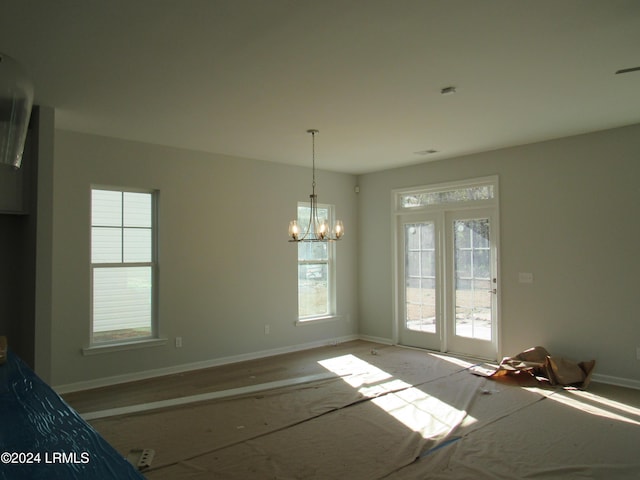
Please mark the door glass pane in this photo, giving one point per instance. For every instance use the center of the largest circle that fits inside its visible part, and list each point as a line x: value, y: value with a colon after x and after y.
x: 472, y: 274
x: 420, y: 277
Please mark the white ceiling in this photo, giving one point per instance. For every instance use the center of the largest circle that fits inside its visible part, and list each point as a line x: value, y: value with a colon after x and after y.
x: 249, y: 77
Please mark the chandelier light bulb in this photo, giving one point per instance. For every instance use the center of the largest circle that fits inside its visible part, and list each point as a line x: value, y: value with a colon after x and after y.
x: 294, y: 230
x: 323, y: 229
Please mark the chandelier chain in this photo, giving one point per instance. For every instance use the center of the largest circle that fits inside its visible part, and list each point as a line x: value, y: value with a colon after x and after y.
x: 313, y: 158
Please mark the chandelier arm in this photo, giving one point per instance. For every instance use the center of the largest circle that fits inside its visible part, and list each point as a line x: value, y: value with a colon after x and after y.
x: 313, y: 214
x: 310, y: 231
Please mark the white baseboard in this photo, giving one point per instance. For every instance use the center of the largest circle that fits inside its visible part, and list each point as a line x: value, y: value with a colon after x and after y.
x: 598, y: 378
x: 186, y: 367
x: 135, y: 376
x: 618, y: 381
x: 381, y: 340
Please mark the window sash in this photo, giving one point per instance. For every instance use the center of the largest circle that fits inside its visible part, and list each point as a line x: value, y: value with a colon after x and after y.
x: 123, y: 297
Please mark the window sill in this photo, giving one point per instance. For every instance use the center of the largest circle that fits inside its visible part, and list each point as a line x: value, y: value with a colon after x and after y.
x: 315, y: 320
x: 115, y: 347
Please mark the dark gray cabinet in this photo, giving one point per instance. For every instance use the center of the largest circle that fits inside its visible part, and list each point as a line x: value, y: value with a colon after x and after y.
x: 16, y: 184
x: 18, y: 229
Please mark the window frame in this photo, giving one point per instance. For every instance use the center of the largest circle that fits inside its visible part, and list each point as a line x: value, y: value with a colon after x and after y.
x: 440, y: 188
x: 135, y: 341
x: 330, y: 263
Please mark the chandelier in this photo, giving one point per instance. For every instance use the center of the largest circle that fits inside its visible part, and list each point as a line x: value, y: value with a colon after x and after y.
x: 317, y: 230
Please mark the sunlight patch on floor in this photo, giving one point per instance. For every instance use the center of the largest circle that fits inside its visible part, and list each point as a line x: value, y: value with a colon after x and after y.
x: 461, y: 362
x: 356, y: 372
x: 597, y: 405
x: 417, y: 410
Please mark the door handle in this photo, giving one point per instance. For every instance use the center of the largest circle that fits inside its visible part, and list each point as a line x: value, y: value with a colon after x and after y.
x: 494, y: 291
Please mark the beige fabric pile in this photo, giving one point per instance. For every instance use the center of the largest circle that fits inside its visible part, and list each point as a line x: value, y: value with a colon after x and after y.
x: 537, y: 364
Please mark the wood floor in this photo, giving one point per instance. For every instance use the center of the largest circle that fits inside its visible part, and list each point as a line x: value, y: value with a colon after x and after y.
x: 280, y: 367
x: 225, y: 377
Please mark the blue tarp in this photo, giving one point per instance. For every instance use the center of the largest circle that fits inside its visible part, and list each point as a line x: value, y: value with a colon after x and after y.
x: 41, y: 437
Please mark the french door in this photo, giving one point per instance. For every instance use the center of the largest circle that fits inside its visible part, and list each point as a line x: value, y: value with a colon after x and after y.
x: 447, y: 293
x: 472, y: 288
x: 420, y: 274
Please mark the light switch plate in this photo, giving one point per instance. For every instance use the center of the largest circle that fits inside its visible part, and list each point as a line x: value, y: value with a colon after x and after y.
x: 525, y: 277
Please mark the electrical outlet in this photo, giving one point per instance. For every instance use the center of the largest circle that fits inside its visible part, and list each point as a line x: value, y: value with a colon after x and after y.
x: 638, y: 353
x: 178, y: 342
x: 267, y: 329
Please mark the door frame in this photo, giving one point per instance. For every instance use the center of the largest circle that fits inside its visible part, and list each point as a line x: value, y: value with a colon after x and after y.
x: 400, y: 214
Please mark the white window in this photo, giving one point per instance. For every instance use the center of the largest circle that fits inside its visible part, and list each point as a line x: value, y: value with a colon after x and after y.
x: 316, y: 270
x: 440, y: 197
x: 123, y: 266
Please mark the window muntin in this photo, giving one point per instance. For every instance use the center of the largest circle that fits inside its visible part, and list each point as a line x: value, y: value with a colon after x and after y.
x: 316, y: 297
x: 123, y: 265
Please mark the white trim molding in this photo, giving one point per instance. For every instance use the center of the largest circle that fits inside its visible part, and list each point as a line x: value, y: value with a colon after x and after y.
x: 617, y: 381
x: 381, y: 340
x: 315, y: 320
x: 130, y: 377
x: 159, y: 372
x: 116, y: 347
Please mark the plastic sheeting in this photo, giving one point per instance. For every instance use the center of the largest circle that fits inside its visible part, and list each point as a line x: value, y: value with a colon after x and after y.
x: 41, y: 437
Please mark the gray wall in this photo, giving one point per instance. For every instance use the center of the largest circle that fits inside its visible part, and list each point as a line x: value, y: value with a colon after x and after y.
x: 568, y: 208
x: 568, y: 214
x: 226, y: 268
